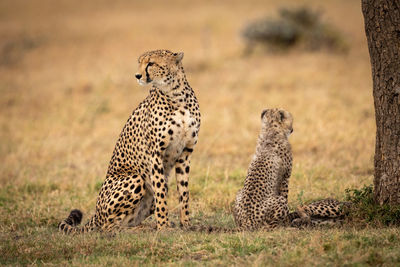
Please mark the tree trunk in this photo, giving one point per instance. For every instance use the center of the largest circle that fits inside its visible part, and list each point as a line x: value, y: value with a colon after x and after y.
x: 382, y: 28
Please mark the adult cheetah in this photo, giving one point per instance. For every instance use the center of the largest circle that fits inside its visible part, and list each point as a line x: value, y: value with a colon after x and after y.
x: 263, y: 201
x: 159, y: 135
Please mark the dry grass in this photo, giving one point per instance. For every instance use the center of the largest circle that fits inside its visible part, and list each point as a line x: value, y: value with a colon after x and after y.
x: 67, y: 87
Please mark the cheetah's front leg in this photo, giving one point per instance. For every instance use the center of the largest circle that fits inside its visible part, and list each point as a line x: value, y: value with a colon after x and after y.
x: 182, y: 169
x: 284, y: 188
x: 284, y: 183
x: 160, y: 189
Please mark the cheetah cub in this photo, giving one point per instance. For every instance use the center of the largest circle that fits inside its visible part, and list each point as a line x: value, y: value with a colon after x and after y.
x: 160, y: 135
x: 263, y: 201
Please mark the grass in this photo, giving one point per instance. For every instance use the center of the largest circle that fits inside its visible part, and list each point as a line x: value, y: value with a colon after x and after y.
x: 281, y: 247
x: 365, y: 209
x: 67, y: 88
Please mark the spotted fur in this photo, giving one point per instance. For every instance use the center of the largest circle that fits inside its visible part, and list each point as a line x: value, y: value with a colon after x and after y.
x: 159, y: 136
x: 322, y: 212
x: 263, y: 200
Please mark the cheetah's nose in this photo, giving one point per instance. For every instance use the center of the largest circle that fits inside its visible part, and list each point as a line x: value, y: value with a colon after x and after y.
x: 138, y: 76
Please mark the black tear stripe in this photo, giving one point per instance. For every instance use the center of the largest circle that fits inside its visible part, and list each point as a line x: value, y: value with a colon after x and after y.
x: 147, y: 73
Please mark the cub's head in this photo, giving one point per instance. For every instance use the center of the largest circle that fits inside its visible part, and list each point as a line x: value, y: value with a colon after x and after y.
x: 158, y: 67
x: 278, y: 120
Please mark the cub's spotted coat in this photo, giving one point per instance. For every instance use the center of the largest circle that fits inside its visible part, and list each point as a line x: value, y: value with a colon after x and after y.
x: 263, y: 200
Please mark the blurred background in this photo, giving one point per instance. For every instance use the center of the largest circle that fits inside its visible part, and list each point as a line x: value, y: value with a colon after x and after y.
x: 67, y: 87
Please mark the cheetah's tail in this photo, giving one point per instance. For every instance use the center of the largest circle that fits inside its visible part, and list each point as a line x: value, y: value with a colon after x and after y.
x: 70, y: 224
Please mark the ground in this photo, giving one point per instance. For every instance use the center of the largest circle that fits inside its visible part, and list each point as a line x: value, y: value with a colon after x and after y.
x: 67, y: 87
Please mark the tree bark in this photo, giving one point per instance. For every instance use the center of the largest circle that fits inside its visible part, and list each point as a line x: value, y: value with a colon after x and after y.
x: 382, y: 28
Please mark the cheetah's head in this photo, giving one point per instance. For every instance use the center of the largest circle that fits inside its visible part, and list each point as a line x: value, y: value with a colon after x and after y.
x: 158, y: 67
x: 279, y: 120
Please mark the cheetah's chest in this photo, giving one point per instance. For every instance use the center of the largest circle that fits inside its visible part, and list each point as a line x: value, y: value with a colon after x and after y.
x: 182, y: 132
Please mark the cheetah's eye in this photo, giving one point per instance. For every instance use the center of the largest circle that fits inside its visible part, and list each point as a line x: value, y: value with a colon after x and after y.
x: 150, y: 64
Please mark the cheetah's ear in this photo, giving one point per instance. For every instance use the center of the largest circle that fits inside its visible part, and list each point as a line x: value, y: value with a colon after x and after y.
x: 282, y: 115
x: 263, y: 113
x: 178, y: 57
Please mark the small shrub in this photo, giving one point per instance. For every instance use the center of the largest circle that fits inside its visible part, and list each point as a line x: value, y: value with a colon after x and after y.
x: 12, y: 51
x: 300, y: 26
x: 365, y: 209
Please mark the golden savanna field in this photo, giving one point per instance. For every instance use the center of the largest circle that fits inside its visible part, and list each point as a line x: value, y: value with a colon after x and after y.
x: 67, y: 87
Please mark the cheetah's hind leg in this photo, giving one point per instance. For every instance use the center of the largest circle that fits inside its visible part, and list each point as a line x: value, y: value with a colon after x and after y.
x: 145, y: 208
x: 276, y: 212
x: 128, y: 193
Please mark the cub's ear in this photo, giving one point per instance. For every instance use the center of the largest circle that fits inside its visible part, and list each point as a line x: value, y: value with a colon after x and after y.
x: 263, y: 113
x: 282, y: 115
x: 178, y: 57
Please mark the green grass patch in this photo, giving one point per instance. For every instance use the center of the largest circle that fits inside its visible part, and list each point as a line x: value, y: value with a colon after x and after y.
x: 366, y: 210
x: 280, y: 247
